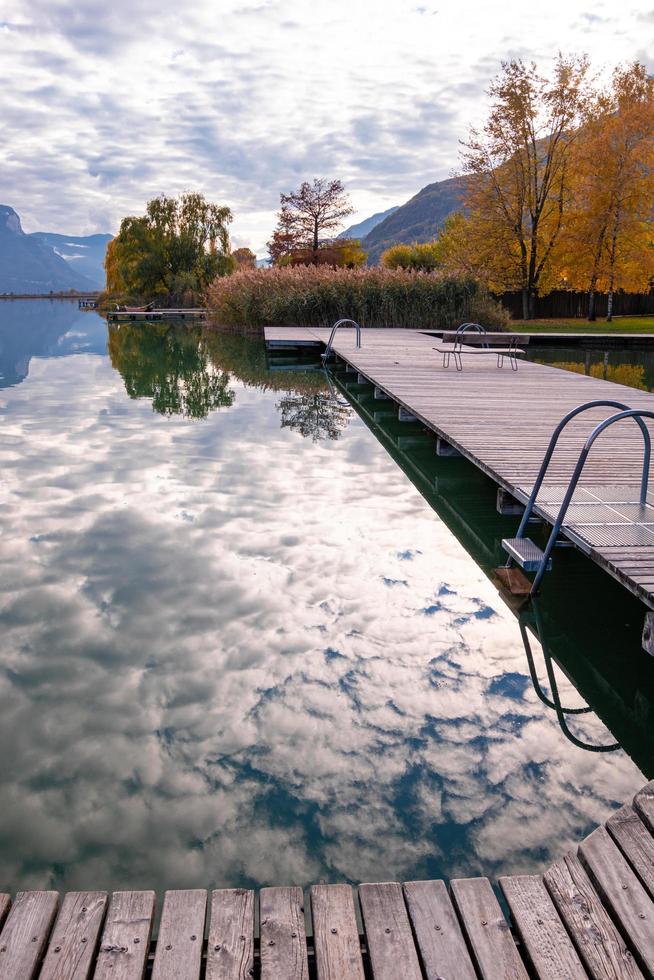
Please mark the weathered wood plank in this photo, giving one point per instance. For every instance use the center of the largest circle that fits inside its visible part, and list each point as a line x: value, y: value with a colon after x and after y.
x: 596, y: 939
x: 125, y: 939
x: 181, y: 934
x: 25, y: 934
x: 5, y: 905
x: 548, y: 946
x: 388, y: 932
x: 283, y: 940
x: 443, y: 949
x: 230, y: 950
x: 644, y: 805
x: 488, y: 932
x: 622, y: 893
x: 72, y: 946
x: 335, y: 933
x: 636, y: 843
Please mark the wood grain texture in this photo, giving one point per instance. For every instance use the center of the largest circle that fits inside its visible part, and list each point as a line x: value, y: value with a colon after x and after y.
x: 544, y: 937
x: 388, y: 932
x: 596, y: 939
x: 230, y: 950
x: 125, y: 939
x: 181, y: 935
x: 644, y: 805
x: 488, y: 932
x: 443, y: 949
x: 283, y: 940
x: 636, y: 843
x: 335, y: 933
x: 5, y: 905
x: 72, y: 946
x: 25, y: 934
x: 622, y: 893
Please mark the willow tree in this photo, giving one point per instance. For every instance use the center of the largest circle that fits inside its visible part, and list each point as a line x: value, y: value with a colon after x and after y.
x: 609, y: 240
x: 175, y: 250
x: 518, y: 167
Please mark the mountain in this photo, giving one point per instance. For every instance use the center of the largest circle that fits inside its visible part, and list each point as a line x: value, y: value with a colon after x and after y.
x: 418, y: 220
x: 84, y: 255
x: 28, y: 265
x: 364, y: 228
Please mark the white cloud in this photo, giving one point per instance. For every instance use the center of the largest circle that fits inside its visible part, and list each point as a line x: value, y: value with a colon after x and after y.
x: 106, y: 106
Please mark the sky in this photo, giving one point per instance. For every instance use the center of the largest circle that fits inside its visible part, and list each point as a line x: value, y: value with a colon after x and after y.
x: 105, y: 105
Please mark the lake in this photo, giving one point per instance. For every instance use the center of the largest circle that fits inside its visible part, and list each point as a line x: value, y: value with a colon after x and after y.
x: 250, y: 635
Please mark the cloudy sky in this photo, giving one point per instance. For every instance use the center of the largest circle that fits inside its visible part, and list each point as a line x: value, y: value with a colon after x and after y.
x: 104, y: 105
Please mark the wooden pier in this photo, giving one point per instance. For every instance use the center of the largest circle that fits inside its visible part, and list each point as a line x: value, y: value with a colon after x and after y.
x: 502, y: 422
x: 590, y: 915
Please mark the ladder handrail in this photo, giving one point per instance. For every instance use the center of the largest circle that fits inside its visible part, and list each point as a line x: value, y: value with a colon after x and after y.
x: 600, y: 403
x: 340, y: 323
x: 638, y: 414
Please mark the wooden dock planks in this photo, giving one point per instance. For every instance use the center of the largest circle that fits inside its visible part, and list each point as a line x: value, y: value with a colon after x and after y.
x: 181, y: 935
x: 502, y: 420
x: 388, y: 932
x: 546, y: 941
x: 74, y: 939
x: 125, y: 942
x: 588, y: 916
x: 283, y: 940
x: 25, y: 934
x: 335, y: 933
x: 230, y: 949
x: 439, y: 939
x: 487, y: 930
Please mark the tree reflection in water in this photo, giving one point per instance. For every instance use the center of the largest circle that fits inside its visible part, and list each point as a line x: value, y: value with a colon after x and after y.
x: 170, y: 365
x: 315, y: 416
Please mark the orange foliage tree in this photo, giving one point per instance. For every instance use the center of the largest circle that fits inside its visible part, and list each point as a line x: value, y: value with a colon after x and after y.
x: 608, y: 243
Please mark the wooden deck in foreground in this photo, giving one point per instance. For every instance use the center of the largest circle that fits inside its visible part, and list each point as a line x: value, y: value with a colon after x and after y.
x: 590, y: 915
x: 502, y: 422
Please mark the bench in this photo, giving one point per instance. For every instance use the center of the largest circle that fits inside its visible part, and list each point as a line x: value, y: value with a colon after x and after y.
x: 469, y: 342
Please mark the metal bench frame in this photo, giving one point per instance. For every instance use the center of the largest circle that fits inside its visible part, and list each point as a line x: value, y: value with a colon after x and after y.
x: 461, y: 346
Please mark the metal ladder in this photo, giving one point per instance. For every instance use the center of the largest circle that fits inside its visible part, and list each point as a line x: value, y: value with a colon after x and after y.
x: 341, y: 323
x: 554, y: 702
x: 525, y: 552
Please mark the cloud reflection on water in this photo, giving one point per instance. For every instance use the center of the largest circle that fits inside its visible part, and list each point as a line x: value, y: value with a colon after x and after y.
x: 233, y: 655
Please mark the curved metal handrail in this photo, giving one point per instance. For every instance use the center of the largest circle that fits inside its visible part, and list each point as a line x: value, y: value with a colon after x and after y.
x: 561, y: 712
x: 465, y: 327
x: 638, y: 414
x: 600, y: 403
x: 340, y: 323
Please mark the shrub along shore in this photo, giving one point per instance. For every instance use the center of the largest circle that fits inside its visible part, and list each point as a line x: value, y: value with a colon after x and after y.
x: 317, y: 296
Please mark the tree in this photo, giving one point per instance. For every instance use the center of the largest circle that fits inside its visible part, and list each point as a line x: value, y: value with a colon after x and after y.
x: 608, y: 243
x: 342, y: 253
x: 306, y: 214
x: 172, y: 252
x: 244, y: 258
x: 519, y: 170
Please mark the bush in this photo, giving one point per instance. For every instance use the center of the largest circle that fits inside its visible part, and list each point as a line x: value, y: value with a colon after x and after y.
x: 316, y: 296
x: 421, y: 257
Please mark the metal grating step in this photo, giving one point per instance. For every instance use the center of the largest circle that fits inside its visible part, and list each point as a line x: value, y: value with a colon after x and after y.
x: 527, y: 554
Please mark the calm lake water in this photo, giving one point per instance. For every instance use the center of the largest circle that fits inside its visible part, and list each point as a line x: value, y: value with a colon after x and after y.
x: 249, y: 635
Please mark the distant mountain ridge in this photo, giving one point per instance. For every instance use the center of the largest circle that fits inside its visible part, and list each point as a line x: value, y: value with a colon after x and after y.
x: 419, y: 220
x: 363, y: 228
x: 85, y: 254
x: 44, y: 263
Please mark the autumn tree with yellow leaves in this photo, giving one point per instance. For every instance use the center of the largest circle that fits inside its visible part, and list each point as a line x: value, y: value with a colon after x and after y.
x: 608, y: 240
x: 560, y: 190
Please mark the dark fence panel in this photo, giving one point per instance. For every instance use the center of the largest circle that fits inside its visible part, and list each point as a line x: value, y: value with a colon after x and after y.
x: 565, y: 303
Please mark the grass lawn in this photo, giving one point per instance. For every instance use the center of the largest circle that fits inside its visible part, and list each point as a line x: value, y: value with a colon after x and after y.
x: 622, y: 324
